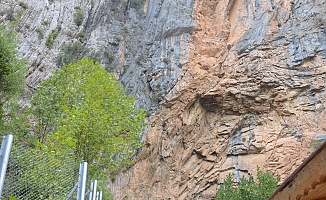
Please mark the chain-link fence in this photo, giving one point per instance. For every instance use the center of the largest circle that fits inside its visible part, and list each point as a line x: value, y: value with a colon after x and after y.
x: 33, y: 175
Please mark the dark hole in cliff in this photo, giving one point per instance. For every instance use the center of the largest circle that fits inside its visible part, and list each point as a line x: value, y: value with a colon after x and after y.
x: 211, y: 103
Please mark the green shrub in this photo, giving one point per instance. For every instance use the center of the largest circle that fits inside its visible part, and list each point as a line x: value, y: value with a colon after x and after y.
x: 45, y: 23
x: 10, y: 14
x: 109, y: 55
x: 23, y: 5
x: 137, y: 4
x: 153, y: 168
x: 15, y: 22
x: 248, y: 189
x: 125, y: 31
x: 165, y: 61
x: 79, y: 17
x: 246, y: 69
x: 40, y: 33
x: 229, y: 46
x: 81, y: 36
x: 12, y: 69
x: 52, y: 36
x: 73, y: 52
x: 316, y: 143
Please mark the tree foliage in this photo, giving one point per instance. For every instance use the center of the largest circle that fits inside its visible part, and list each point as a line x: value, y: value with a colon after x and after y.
x: 248, y: 189
x: 12, y: 69
x: 81, y: 113
x: 84, y: 108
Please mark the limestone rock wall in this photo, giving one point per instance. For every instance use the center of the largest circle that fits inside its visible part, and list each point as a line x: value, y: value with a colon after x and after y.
x: 252, y: 93
x: 156, y: 49
x: 145, y: 43
x: 229, y: 85
x: 34, y: 25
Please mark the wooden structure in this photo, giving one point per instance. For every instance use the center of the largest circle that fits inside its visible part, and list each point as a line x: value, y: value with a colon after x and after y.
x: 308, y: 182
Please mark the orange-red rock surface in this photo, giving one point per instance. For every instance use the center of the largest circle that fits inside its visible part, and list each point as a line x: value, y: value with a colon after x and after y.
x: 228, y: 84
x: 251, y: 94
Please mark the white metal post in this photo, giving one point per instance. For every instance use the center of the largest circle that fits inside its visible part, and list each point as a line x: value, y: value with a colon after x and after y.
x: 4, y: 158
x: 82, y: 181
x: 99, y: 195
x: 91, y: 191
x: 100, y: 198
x: 94, y: 190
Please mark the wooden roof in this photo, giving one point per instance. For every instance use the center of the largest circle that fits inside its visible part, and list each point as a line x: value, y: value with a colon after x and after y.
x: 308, y: 181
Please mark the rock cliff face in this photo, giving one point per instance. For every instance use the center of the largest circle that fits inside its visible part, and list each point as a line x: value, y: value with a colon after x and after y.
x: 229, y: 85
x: 251, y: 93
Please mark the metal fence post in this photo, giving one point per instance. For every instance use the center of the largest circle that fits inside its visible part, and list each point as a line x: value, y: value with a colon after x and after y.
x: 82, y: 181
x: 91, y: 191
x: 4, y: 158
x: 99, y: 195
x: 94, y: 190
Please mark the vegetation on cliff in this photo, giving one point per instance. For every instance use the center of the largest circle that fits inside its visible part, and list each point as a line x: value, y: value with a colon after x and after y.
x: 81, y: 113
x: 73, y: 52
x: 11, y: 68
x: 248, y: 189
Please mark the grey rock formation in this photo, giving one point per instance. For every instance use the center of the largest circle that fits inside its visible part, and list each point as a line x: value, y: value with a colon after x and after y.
x: 143, y: 42
x: 233, y: 84
x: 156, y: 49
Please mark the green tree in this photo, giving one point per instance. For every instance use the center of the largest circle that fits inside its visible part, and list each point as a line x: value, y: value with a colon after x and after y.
x: 81, y: 113
x: 248, y: 189
x: 12, y: 69
x: 85, y: 109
